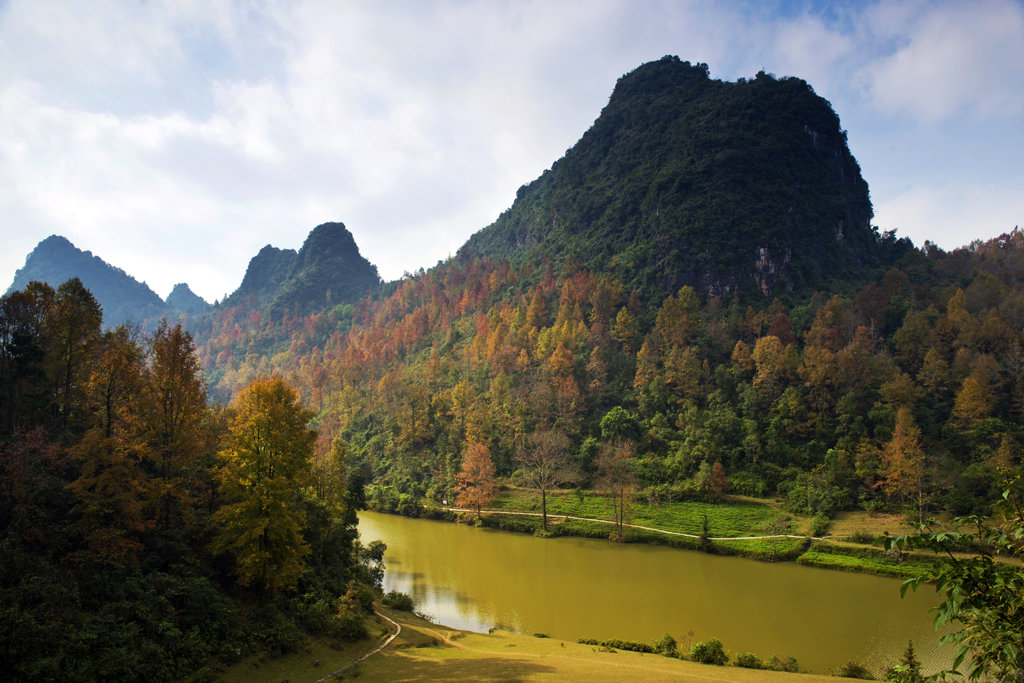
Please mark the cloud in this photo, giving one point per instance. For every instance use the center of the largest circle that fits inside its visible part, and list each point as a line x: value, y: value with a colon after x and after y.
x: 175, y: 138
x: 951, y: 58
x: 953, y: 215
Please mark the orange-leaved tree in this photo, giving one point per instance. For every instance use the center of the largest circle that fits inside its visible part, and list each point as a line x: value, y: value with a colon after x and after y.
x: 474, y: 484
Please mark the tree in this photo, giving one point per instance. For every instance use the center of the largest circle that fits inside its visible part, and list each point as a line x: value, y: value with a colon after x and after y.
x: 544, y: 463
x: 113, y: 488
x: 265, y: 463
x: 615, y: 476
x: 902, y: 467
x: 73, y: 326
x: 474, y: 484
x: 983, y: 596
x: 176, y: 408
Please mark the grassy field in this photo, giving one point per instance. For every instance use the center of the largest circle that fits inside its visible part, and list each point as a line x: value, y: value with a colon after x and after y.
x: 428, y: 652
x: 853, y: 542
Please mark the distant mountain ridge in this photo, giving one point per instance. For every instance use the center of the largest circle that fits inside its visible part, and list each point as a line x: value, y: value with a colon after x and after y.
x: 183, y: 299
x: 684, y: 180
x: 327, y: 270
x: 56, y: 260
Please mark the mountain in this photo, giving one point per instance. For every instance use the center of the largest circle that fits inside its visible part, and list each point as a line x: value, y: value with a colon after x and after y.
x: 327, y: 270
x: 56, y: 260
x: 684, y: 180
x: 184, y: 300
x: 266, y: 272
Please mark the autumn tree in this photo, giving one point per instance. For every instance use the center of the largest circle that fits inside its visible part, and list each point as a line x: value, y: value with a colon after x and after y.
x: 175, y: 410
x: 544, y: 464
x: 73, y: 326
x: 265, y: 463
x: 113, y: 487
x: 474, y: 484
x: 902, y: 462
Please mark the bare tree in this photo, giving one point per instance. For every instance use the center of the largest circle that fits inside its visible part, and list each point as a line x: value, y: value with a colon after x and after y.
x: 615, y: 477
x: 544, y: 464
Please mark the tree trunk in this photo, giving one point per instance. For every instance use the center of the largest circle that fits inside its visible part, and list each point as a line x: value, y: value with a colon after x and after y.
x: 544, y: 508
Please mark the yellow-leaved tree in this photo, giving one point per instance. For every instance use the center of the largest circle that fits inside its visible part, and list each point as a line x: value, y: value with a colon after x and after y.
x: 266, y: 462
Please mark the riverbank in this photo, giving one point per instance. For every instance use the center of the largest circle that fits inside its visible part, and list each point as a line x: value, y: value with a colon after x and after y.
x: 426, y: 651
x: 753, y: 528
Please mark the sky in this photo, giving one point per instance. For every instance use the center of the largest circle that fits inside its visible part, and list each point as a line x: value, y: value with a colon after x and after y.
x: 175, y: 138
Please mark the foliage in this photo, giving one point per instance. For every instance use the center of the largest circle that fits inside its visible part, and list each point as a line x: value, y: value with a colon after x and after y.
x: 709, y: 652
x: 908, y: 670
x: 266, y: 460
x: 399, y: 601
x: 852, y: 670
x: 748, y: 660
x: 667, y: 646
x: 474, y: 484
x: 983, y: 595
x: 109, y: 502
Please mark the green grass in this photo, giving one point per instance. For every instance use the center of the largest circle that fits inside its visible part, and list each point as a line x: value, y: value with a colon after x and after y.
x: 724, y: 519
x: 867, y: 560
x: 727, y: 519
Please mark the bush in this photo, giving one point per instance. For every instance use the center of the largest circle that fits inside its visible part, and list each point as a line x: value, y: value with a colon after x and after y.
x: 863, y: 537
x: 820, y: 524
x: 748, y: 660
x: 709, y: 652
x: 853, y: 670
x: 667, y: 646
x: 777, y: 663
x: 399, y: 601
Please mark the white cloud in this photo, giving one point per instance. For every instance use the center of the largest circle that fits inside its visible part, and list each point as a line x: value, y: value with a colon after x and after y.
x: 953, y: 215
x: 176, y: 138
x: 953, y: 58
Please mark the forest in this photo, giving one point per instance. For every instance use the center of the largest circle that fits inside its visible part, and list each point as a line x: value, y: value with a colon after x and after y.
x: 149, y: 534
x: 902, y: 393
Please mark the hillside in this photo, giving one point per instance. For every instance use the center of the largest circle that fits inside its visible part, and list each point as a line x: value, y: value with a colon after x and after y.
x: 56, y: 260
x: 684, y: 180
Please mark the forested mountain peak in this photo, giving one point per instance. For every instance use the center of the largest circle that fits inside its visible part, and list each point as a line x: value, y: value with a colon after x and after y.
x: 685, y: 180
x: 265, y: 274
x: 183, y: 299
x: 56, y: 260
x: 327, y: 270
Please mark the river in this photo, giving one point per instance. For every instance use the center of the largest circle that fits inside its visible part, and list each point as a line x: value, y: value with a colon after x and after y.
x: 572, y: 588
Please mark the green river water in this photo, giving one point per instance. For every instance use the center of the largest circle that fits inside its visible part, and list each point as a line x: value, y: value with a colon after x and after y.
x: 572, y: 588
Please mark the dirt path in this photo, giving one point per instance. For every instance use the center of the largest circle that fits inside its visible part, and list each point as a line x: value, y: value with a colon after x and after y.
x: 388, y: 641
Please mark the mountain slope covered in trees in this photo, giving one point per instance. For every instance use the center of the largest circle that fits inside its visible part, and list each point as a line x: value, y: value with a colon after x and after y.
x: 684, y: 180
x: 56, y: 260
x: 328, y: 270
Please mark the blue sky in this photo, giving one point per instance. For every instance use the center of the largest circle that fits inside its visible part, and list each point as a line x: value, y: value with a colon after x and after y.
x: 174, y: 139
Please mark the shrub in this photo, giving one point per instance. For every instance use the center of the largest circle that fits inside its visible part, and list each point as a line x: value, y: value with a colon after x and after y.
x: 748, y: 660
x: 399, y: 601
x: 853, y: 670
x: 862, y: 537
x: 777, y: 663
x: 667, y: 646
x: 820, y: 524
x: 709, y: 652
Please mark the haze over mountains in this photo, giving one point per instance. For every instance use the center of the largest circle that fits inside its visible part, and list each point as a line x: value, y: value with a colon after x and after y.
x: 744, y: 187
